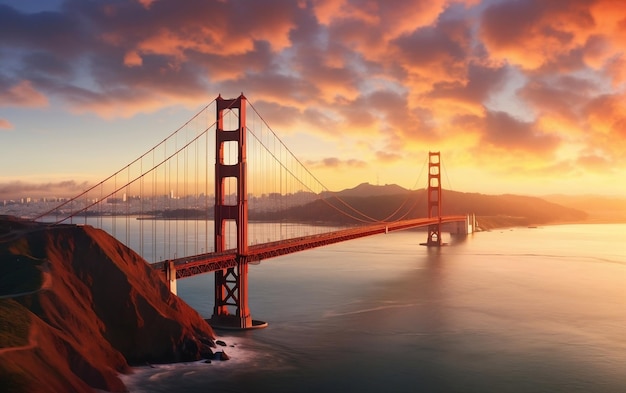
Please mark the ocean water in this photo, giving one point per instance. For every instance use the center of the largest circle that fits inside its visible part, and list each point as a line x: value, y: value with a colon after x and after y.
x: 515, y: 310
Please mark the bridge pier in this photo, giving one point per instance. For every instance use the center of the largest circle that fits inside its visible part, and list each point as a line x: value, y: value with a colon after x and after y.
x: 231, y: 290
x: 466, y: 227
x: 434, y: 236
x: 170, y: 276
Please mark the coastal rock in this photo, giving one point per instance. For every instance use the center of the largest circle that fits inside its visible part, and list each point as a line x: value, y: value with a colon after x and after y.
x: 103, y: 308
x: 221, y: 356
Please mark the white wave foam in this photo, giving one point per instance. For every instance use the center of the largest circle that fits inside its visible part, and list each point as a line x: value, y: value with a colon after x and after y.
x: 144, y: 378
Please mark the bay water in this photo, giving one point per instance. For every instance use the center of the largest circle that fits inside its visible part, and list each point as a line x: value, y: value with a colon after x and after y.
x: 512, y: 310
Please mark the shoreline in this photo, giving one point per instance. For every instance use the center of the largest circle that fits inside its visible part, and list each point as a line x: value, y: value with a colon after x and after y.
x: 503, y: 222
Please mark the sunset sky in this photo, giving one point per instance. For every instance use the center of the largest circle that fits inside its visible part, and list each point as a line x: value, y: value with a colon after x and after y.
x: 524, y: 97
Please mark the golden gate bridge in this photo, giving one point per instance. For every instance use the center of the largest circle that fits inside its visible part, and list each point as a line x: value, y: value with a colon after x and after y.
x: 222, y: 166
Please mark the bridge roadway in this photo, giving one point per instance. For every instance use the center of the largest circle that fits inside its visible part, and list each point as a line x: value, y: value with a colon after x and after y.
x: 209, y: 262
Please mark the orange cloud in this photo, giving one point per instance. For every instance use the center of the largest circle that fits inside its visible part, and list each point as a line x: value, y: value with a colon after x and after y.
x: 202, y: 39
x: 137, y: 101
x: 23, y: 94
x: 532, y: 33
x: 610, y: 18
x: 387, y: 156
x: 606, y: 122
x: 335, y: 83
x: 528, y: 84
x: 535, y: 33
x: 328, y: 10
x: 404, y: 42
x: 367, y: 26
x: 595, y: 163
x: 437, y: 53
x: 132, y: 59
x: 616, y: 69
x: 505, y: 132
x: 146, y: 3
x: 334, y: 162
x: 564, y: 96
x: 211, y: 28
x: 5, y: 124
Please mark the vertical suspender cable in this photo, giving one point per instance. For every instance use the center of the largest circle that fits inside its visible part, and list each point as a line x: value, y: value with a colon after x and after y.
x: 125, y: 200
x: 206, y: 193
x: 176, y: 201
x: 141, y: 198
x: 153, y: 205
x: 196, y: 194
x: 185, y: 218
x: 168, y: 203
x: 114, y: 203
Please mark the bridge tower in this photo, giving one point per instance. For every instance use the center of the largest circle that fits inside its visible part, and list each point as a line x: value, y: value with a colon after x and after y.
x: 231, y: 284
x: 434, y: 198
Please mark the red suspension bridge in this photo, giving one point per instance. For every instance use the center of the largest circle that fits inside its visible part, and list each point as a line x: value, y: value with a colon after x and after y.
x: 164, y: 203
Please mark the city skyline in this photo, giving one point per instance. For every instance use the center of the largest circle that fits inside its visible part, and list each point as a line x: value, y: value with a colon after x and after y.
x: 525, y: 97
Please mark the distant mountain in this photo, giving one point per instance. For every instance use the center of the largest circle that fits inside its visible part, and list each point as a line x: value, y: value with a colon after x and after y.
x: 366, y: 203
x: 599, y: 208
x: 366, y: 190
x: 509, y: 210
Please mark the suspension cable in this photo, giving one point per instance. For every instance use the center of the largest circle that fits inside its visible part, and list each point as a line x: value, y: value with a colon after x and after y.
x: 446, y: 173
x: 124, y: 168
x: 163, y: 162
x: 366, y: 218
x: 407, y: 199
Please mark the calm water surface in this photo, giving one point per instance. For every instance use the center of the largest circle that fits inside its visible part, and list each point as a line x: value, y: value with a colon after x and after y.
x: 521, y: 310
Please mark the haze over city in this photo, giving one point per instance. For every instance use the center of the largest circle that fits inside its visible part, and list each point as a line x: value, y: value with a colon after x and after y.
x: 522, y: 97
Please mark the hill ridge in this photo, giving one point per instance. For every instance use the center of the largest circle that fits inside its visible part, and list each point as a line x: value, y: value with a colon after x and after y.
x: 491, y: 210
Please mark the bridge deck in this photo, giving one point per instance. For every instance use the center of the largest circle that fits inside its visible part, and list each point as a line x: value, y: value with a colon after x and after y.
x: 209, y: 262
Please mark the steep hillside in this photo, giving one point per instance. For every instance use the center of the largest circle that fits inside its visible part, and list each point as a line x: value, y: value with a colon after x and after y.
x: 79, y: 307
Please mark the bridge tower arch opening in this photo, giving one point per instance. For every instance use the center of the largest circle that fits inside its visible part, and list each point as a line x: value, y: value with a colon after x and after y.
x: 231, y: 309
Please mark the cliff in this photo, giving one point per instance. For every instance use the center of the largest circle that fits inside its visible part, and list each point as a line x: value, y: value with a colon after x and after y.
x: 77, y: 307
